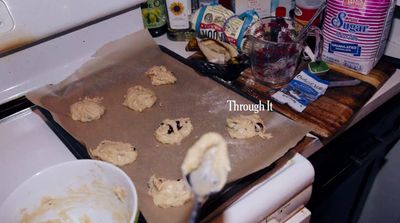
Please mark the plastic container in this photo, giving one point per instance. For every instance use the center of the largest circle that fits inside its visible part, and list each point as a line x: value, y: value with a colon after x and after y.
x: 287, y: 4
x: 305, y: 9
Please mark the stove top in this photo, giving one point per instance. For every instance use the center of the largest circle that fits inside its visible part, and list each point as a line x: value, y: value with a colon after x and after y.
x: 21, y: 159
x: 50, y: 62
x: 23, y: 22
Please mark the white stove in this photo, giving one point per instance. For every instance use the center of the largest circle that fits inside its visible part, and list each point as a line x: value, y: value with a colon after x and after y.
x: 21, y: 159
x: 279, y: 198
x: 23, y: 22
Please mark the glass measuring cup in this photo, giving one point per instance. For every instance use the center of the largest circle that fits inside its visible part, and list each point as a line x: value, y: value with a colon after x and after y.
x: 275, y: 49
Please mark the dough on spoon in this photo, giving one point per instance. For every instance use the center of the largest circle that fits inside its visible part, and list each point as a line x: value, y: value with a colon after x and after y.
x: 160, y: 75
x: 173, y: 131
x: 139, y: 98
x: 117, y: 153
x: 246, y: 126
x: 87, y: 110
x: 168, y: 193
x: 208, y: 155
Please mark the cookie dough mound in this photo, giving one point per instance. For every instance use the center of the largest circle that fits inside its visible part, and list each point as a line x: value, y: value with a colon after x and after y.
x: 173, y: 131
x: 246, y: 126
x: 87, y: 110
x: 139, y: 98
x: 117, y: 153
x: 168, y: 193
x: 159, y: 75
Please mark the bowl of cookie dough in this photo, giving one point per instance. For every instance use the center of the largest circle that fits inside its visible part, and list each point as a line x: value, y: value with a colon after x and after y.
x: 81, y: 191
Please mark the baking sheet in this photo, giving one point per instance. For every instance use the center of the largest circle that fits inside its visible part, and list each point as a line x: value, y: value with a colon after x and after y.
x: 121, y: 64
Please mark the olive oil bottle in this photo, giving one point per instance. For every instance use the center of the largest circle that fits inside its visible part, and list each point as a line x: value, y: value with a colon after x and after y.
x: 179, y: 15
x: 154, y: 17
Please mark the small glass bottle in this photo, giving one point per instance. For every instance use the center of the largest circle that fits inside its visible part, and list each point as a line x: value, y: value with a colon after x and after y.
x: 179, y: 15
x: 154, y: 17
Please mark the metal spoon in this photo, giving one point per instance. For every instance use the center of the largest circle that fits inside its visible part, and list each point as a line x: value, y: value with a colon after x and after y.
x: 310, y: 22
x: 206, y: 169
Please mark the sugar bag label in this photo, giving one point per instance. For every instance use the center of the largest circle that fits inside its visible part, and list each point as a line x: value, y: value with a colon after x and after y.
x: 355, y: 32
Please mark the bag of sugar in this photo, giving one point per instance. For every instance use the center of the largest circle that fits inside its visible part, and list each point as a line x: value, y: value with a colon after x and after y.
x: 355, y: 32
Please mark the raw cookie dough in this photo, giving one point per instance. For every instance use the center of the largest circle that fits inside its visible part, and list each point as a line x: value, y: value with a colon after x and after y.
x: 211, y: 150
x: 173, y: 131
x: 117, y: 153
x: 87, y: 110
x: 159, y: 75
x: 168, y: 193
x: 120, y: 192
x: 139, y: 98
x: 246, y: 126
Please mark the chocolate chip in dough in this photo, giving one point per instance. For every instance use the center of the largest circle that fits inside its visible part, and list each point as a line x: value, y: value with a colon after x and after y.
x: 259, y: 127
x: 178, y: 125
x: 170, y: 129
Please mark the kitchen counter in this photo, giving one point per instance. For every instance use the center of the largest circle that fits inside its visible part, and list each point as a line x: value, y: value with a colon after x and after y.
x: 40, y: 147
x: 388, y: 90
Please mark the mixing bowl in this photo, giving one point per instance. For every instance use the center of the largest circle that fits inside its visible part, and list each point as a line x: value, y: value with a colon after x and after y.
x: 84, y: 191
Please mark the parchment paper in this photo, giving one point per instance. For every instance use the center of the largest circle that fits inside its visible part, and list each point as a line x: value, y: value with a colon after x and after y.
x: 120, y: 65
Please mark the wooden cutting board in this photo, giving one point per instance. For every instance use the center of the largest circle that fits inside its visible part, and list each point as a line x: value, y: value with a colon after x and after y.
x: 332, y: 111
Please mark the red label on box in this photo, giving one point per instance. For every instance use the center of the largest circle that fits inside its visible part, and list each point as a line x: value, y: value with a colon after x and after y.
x: 354, y: 3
